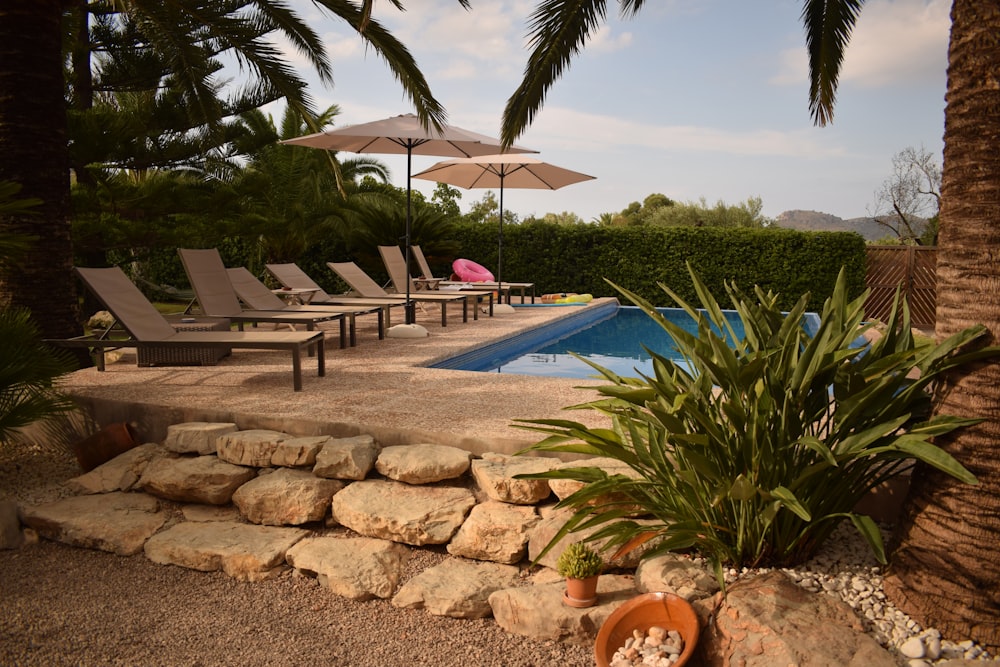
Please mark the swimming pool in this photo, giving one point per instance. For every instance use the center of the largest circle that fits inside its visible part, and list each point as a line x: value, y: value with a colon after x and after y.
x: 608, y: 334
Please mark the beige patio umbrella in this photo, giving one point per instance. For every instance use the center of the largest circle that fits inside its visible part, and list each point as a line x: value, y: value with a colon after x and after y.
x: 500, y: 171
x: 404, y: 135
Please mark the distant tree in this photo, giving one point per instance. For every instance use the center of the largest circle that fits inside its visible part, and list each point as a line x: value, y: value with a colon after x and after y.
x: 487, y: 209
x: 446, y: 197
x: 910, y: 197
x: 660, y: 211
x: 564, y: 218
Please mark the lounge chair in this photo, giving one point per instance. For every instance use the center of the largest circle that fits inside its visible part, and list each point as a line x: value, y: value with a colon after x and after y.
x: 217, y: 298
x: 395, y: 264
x: 256, y: 295
x: 147, y: 328
x: 368, y: 290
x: 427, y: 279
x: 297, y: 280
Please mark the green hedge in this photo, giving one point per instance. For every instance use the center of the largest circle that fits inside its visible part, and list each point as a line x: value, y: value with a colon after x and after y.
x: 577, y: 258
x: 561, y: 258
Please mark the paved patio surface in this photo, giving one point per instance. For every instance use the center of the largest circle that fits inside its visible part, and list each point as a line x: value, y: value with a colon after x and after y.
x: 379, y: 387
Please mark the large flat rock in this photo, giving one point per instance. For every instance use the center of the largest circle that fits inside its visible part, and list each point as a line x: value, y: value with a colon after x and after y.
x: 243, y: 551
x: 116, y: 522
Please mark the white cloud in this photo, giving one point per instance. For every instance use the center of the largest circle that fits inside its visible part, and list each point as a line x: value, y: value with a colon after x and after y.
x: 574, y: 130
x: 604, y: 41
x: 901, y: 41
x: 894, y: 42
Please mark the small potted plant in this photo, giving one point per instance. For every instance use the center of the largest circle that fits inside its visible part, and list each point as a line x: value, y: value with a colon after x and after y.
x: 582, y: 566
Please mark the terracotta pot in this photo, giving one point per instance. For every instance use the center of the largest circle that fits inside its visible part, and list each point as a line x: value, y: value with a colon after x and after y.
x: 665, y: 610
x: 581, y: 592
x: 104, y: 445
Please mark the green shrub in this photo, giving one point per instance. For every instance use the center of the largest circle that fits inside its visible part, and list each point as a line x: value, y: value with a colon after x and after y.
x: 29, y: 370
x: 581, y: 258
x: 754, y: 455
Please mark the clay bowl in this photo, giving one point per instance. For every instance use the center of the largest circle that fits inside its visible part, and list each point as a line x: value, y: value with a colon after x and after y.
x: 643, y: 612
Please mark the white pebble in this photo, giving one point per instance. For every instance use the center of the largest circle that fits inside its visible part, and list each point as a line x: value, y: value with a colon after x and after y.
x: 913, y: 648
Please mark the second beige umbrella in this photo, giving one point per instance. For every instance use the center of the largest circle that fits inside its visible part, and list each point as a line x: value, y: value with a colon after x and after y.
x: 502, y: 171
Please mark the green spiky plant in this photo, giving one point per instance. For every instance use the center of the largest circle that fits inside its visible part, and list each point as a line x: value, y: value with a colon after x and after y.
x: 752, y: 454
x: 29, y: 370
x: 579, y: 561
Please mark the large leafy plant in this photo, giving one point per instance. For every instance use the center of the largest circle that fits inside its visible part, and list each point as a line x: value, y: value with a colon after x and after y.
x: 754, y: 447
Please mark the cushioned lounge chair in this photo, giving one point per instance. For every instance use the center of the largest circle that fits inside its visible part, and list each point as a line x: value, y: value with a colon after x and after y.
x: 146, y: 327
x: 427, y: 278
x: 395, y: 264
x: 256, y: 294
x: 217, y: 298
x: 368, y: 289
x: 294, y: 278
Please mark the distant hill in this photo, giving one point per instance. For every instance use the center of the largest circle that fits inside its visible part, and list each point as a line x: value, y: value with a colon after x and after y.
x: 814, y: 221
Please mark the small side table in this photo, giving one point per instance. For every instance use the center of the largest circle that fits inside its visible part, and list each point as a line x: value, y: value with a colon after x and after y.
x: 296, y: 295
x: 152, y: 355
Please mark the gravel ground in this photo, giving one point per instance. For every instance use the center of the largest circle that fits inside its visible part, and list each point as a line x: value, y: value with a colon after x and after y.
x: 61, y: 605
x: 67, y: 606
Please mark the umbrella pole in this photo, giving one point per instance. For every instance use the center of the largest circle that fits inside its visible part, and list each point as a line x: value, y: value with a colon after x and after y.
x: 410, y: 311
x: 500, y: 248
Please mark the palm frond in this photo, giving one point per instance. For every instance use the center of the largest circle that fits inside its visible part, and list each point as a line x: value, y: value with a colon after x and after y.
x: 828, y: 25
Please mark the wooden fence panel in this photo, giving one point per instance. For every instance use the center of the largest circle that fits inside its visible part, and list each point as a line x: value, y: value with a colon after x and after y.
x: 913, y: 268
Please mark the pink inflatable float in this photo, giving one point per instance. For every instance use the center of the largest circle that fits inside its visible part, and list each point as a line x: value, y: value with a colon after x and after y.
x: 471, y: 272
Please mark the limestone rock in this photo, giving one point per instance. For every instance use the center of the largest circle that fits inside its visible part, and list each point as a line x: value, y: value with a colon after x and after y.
x: 495, y: 531
x: 210, y: 513
x: 769, y: 620
x: 678, y: 574
x: 395, y: 511
x: 196, y: 437
x: 121, y: 473
x: 286, y: 497
x: 202, y: 479
x: 346, y: 458
x: 563, y: 488
x: 359, y: 568
x: 296, y: 452
x: 539, y: 612
x: 456, y: 588
x: 495, y: 475
x: 249, y: 448
x: 243, y: 551
x: 116, y: 522
x: 422, y: 464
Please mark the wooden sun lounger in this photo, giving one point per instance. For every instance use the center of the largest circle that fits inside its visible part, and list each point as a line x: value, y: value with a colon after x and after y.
x: 368, y: 289
x: 257, y: 295
x: 217, y: 298
x: 395, y: 264
x: 145, y: 326
x: 427, y: 279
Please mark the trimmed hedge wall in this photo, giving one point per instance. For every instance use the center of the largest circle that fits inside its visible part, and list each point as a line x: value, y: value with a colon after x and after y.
x: 560, y: 258
x: 577, y: 258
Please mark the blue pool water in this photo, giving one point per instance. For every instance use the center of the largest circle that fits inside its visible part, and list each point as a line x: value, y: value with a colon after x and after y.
x: 612, y: 336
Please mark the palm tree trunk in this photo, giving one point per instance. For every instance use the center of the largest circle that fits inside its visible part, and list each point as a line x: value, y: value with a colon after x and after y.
x: 945, y: 571
x: 33, y: 152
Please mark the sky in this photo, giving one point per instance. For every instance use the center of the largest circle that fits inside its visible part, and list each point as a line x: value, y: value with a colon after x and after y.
x: 693, y: 99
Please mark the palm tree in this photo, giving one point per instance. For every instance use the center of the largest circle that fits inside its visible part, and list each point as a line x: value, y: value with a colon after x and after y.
x: 946, y: 568
x: 33, y: 137
x: 293, y: 196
